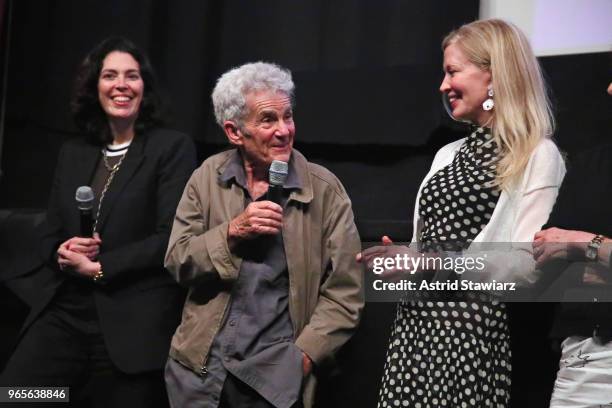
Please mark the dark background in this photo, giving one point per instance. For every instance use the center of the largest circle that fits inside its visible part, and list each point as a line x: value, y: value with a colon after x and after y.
x: 368, y: 107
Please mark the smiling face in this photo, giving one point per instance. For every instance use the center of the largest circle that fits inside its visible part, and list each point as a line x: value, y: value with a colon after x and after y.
x: 120, y: 86
x: 466, y: 86
x: 268, y: 129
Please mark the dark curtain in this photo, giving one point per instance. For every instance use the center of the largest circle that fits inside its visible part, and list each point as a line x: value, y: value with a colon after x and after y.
x: 367, y: 75
x: 4, y: 30
x: 363, y: 69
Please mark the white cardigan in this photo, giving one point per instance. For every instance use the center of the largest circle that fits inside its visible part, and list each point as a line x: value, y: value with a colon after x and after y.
x: 520, y: 213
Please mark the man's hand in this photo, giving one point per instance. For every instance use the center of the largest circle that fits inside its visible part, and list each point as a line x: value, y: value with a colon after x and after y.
x: 259, y: 218
x: 90, y: 247
x: 77, y: 262
x: 559, y: 243
x: 306, y: 364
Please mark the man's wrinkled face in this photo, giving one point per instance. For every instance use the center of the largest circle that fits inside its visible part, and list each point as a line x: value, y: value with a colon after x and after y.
x: 268, y: 129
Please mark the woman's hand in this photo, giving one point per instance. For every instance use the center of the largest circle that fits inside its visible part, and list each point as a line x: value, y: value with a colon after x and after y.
x: 76, y: 262
x: 90, y: 247
x: 400, y: 264
x: 557, y: 243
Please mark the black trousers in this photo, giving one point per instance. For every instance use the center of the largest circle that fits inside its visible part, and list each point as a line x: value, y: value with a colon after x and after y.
x: 67, y: 350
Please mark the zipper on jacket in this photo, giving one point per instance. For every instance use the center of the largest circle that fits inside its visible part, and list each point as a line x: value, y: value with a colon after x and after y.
x: 203, y: 369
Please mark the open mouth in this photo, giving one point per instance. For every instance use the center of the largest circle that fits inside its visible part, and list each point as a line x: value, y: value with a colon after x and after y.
x: 121, y: 100
x: 453, y: 100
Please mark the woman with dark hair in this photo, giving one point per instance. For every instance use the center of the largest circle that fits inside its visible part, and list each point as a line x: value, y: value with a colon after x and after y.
x: 104, y: 318
x: 88, y: 111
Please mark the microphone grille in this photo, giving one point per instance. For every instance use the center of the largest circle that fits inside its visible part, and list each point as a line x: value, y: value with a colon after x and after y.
x: 84, y: 197
x: 278, y: 172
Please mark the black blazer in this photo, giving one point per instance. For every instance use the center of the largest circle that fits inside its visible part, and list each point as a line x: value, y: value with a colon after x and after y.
x: 139, y: 304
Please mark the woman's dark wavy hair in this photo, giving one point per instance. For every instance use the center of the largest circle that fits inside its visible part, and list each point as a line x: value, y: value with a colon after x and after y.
x: 88, y: 115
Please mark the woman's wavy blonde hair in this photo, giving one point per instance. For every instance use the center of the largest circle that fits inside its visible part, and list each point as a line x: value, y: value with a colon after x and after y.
x: 522, y: 115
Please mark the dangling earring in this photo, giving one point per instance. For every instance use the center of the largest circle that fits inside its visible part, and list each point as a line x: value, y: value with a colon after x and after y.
x: 488, y: 104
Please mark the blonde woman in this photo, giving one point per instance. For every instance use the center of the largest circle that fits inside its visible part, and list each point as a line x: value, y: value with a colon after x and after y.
x: 496, y: 185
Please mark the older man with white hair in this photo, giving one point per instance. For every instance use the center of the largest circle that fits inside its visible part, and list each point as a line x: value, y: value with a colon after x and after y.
x: 274, y: 287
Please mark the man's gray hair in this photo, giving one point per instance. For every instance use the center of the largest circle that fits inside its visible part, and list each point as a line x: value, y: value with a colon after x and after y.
x: 229, y: 95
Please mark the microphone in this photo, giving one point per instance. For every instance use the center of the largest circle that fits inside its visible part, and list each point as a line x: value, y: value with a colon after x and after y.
x: 277, y: 175
x: 85, y: 197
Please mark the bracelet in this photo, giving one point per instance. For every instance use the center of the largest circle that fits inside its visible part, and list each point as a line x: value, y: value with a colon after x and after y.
x: 98, y: 276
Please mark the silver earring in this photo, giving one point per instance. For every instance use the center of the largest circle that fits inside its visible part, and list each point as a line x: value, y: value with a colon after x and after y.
x: 488, y: 104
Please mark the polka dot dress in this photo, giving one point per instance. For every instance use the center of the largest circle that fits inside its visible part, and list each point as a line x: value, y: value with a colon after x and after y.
x: 457, y: 202
x: 452, y: 353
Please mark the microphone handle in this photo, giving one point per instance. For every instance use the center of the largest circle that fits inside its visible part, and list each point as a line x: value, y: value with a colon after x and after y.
x: 275, y: 194
x: 86, y: 223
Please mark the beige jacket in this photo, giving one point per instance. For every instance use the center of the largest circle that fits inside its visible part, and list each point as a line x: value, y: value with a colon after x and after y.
x: 320, y: 239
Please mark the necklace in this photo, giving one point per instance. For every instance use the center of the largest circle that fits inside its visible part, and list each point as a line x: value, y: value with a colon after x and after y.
x: 113, y: 170
x: 108, y: 166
